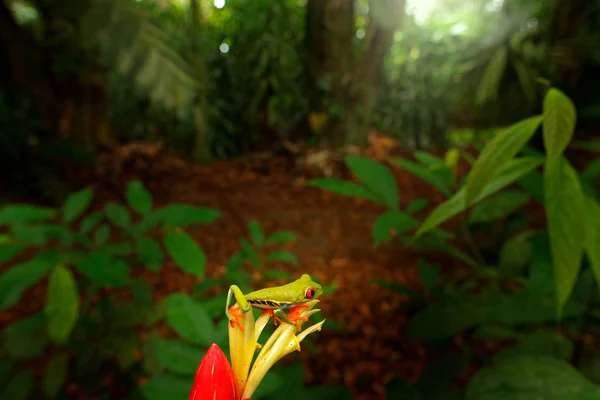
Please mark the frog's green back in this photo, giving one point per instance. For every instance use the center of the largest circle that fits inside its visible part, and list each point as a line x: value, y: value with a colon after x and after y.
x: 291, y: 293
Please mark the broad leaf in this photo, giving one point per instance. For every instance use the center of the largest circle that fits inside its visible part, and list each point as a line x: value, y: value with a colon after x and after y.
x: 24, y: 213
x: 345, y: 188
x: 150, y: 253
x: 76, y: 204
x: 117, y: 214
x: 512, y: 171
x: 9, y: 251
x: 177, y: 356
x: 429, y: 274
x: 256, y: 233
x: 19, y: 387
x: 498, y: 207
x: 182, y: 215
x: 62, y: 304
x: 496, y: 154
x: 416, y: 205
x: 566, y: 216
x: 101, y: 269
x: 102, y: 235
x: 189, y: 319
x: 55, y: 375
x: 90, y: 221
x: 526, y: 377
x: 396, y: 221
x: 15, y: 280
x: 423, y: 173
x: 377, y: 177
x: 592, y: 235
x: 281, y: 237
x: 186, y: 253
x: 516, y: 254
x: 283, y: 256
x: 559, y: 123
x: 138, y: 198
x: 541, y: 343
x: 161, y: 387
x: 25, y: 338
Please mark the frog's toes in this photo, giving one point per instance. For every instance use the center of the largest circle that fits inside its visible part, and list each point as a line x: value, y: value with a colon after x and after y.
x: 236, y: 315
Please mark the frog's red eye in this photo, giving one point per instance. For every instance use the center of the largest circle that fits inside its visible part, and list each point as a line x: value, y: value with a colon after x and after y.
x: 310, y: 293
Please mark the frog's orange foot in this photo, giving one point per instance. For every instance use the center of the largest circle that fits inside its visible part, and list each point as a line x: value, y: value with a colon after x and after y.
x: 271, y: 313
x: 236, y: 314
x: 295, y: 315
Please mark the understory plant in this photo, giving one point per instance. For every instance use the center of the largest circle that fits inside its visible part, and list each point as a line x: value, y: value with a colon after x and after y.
x: 531, y: 292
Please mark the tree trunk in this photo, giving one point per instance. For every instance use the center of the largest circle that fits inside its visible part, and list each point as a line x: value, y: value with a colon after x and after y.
x: 347, y: 77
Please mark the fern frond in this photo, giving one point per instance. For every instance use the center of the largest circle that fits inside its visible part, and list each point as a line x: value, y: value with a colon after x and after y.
x: 128, y: 41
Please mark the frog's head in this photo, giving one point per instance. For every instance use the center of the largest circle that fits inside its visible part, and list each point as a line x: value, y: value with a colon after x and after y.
x: 308, y: 289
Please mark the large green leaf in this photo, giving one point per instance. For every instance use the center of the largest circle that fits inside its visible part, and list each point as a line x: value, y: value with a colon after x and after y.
x: 14, y: 281
x: 345, y: 188
x: 90, y: 221
x: 592, y: 235
x: 512, y: 171
x: 498, y: 207
x: 423, y: 173
x: 559, y: 123
x: 9, y: 251
x: 516, y: 254
x: 76, y: 204
x: 186, y: 253
x: 19, y: 387
x: 391, y: 220
x: 377, y: 177
x: 138, y: 198
x: 282, y: 255
x: 117, y: 214
x: 544, y: 342
x: 182, y: 215
x: 55, y: 375
x: 177, y: 356
x: 23, y: 213
x: 62, y: 304
x: 526, y: 377
x: 150, y: 253
x: 497, y: 153
x: 257, y: 233
x: 566, y: 216
x: 100, y: 268
x: 164, y: 386
x: 189, y: 319
x: 25, y: 338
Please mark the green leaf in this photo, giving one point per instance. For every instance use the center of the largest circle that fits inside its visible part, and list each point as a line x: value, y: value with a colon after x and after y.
x: 495, y: 332
x: 565, y: 213
x: 177, y: 356
x: 15, y: 280
x: 344, y: 188
x: 185, y: 252
x: 24, y: 213
x: 249, y: 252
x: 512, y: 171
x: 117, y: 214
x: 592, y: 235
x: 428, y: 273
x: 150, y: 253
x: 256, y: 233
x: 588, y: 393
x: 10, y: 251
x: 396, y: 287
x: 526, y: 377
x: 516, y: 254
x: 76, y: 204
x: 283, y: 256
x: 90, y: 221
x: 498, y: 207
x: 543, y: 343
x: 161, y: 387
x: 377, y: 177
x: 423, y: 173
x: 55, y: 375
x: 416, y: 205
x: 25, y: 339
x: 282, y: 237
x: 19, y: 387
x: 182, y: 215
x: 559, y: 123
x: 399, y: 221
x: 100, y: 268
x: 101, y: 235
x: 497, y: 153
x: 62, y: 304
x: 189, y: 319
x: 138, y: 198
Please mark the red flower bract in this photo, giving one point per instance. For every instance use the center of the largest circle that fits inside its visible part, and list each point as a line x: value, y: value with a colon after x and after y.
x: 214, y: 378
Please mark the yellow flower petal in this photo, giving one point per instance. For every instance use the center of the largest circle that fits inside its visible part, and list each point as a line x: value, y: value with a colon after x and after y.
x: 242, y: 346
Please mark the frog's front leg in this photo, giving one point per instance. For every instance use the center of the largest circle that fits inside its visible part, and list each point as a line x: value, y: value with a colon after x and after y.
x: 235, y: 313
x: 293, y: 318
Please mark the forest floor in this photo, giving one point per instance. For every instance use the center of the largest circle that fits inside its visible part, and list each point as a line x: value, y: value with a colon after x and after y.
x: 335, y: 245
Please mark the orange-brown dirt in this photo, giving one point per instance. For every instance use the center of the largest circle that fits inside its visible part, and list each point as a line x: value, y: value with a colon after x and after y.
x: 335, y: 245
